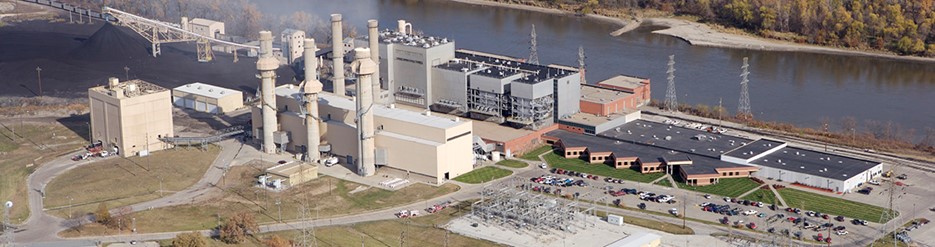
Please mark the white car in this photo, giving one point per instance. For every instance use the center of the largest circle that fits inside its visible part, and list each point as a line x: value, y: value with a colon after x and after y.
x: 749, y: 212
x: 873, y: 182
x: 705, y: 204
x: 543, y: 166
x: 759, y: 204
x: 674, y: 211
x: 727, y: 199
x: 104, y: 154
x: 841, y: 232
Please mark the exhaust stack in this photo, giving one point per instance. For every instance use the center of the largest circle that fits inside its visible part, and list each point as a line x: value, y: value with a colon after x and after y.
x: 267, y: 66
x: 375, y: 56
x: 364, y: 67
x: 337, y: 47
x: 310, y: 89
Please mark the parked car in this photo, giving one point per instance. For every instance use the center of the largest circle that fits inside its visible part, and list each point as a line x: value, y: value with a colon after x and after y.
x: 641, y: 205
x: 839, y: 218
x: 749, y: 212
x: 543, y: 165
x: 841, y: 232
x: 873, y: 182
x: 859, y: 222
x: 674, y: 211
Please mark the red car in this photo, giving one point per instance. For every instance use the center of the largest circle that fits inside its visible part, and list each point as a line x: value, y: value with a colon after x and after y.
x: 752, y: 225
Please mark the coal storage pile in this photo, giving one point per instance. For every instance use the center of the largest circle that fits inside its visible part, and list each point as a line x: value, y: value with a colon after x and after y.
x: 112, y: 43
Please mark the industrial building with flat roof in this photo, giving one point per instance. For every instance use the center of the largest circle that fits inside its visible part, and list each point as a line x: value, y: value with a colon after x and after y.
x: 415, y: 142
x: 130, y: 116
x: 207, y: 98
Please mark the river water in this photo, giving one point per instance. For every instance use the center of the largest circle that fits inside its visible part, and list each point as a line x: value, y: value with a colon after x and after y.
x: 793, y: 87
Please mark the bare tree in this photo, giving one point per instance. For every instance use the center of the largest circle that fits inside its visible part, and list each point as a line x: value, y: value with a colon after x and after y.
x: 191, y: 239
x: 236, y: 228
x: 251, y: 21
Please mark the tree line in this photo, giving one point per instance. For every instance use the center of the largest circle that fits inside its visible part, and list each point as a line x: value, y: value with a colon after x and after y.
x: 904, y: 27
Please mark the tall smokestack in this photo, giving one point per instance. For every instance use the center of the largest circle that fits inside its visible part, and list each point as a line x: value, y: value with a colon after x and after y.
x: 310, y: 89
x: 364, y: 67
x: 337, y: 47
x: 267, y: 66
x: 375, y: 56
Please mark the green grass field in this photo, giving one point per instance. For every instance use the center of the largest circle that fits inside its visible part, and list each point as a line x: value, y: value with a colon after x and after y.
x: 123, y: 181
x: 831, y: 205
x: 765, y: 196
x: 730, y: 187
x: 664, y: 182
x: 25, y: 147
x: 534, y: 154
x: 483, y: 174
x: 579, y: 165
x: 513, y: 163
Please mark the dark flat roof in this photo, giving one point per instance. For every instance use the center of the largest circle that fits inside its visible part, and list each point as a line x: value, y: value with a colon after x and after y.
x: 680, y: 139
x: 457, y: 65
x: 754, y: 148
x: 646, y: 153
x: 815, y: 163
x: 538, y: 72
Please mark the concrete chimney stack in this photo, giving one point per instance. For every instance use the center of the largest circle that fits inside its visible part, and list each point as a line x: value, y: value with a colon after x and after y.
x: 364, y: 67
x: 267, y: 66
x: 310, y: 89
x: 375, y: 56
x: 337, y: 48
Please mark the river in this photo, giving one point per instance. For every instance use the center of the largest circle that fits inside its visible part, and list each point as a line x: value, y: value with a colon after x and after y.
x: 793, y: 87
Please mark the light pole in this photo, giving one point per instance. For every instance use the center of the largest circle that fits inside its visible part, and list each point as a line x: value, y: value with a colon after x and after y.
x: 126, y: 69
x: 39, y: 76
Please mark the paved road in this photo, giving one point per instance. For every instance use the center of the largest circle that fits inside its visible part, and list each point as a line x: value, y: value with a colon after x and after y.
x: 41, y: 226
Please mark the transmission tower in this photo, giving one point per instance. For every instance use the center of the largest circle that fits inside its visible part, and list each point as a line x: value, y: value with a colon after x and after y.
x: 889, y: 214
x: 533, y: 50
x: 743, y: 108
x: 581, y: 58
x: 6, y: 236
x: 671, y: 103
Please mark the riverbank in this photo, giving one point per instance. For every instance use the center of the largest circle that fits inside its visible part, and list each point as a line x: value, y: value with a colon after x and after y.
x: 703, y: 35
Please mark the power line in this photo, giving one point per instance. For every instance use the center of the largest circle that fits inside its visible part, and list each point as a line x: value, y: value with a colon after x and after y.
x: 533, y: 50
x: 743, y: 108
x: 671, y: 103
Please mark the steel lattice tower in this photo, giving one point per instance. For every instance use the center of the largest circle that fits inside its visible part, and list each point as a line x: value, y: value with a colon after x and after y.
x: 533, y: 50
x: 671, y: 104
x: 888, y: 215
x: 581, y: 58
x: 743, y: 109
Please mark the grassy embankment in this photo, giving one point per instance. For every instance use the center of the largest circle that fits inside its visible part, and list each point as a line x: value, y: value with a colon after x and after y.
x: 534, y: 154
x: 513, y: 163
x: 730, y: 187
x: 119, y: 181
x: 483, y: 175
x: 761, y: 195
x: 23, y: 148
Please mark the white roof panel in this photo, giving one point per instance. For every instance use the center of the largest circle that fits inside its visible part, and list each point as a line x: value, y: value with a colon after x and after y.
x: 210, y: 91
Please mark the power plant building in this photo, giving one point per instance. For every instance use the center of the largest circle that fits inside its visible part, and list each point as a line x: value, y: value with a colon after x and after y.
x: 292, y: 44
x: 207, y: 98
x: 130, y: 116
x: 416, y: 142
x: 204, y: 27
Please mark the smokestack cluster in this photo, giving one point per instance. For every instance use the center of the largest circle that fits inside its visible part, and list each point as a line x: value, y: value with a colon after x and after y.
x: 364, y: 67
x: 375, y: 56
x: 337, y: 46
x: 267, y: 66
x: 310, y: 89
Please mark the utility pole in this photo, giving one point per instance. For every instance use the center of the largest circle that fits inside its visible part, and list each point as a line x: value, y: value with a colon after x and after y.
x: 126, y: 70
x: 581, y: 69
x: 671, y: 103
x: 39, y: 76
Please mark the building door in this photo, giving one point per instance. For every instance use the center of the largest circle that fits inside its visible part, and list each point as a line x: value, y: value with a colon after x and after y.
x: 446, y: 176
x: 212, y: 108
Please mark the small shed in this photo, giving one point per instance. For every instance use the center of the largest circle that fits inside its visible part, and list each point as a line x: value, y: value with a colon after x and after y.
x: 293, y: 173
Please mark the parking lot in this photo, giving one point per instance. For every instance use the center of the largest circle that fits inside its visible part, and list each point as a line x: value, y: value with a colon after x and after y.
x: 666, y: 200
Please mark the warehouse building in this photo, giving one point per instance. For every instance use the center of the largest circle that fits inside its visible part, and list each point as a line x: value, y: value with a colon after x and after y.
x: 131, y: 116
x: 207, y: 98
x: 806, y: 167
x: 293, y: 44
x: 417, y: 143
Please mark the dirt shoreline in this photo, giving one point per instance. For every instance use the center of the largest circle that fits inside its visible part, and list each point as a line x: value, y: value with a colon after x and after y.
x: 703, y: 35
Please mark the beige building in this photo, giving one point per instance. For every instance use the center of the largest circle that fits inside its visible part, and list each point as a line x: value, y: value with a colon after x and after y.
x: 292, y: 44
x: 130, y: 116
x: 415, y: 142
x: 205, y: 27
x: 207, y: 98
x: 293, y: 173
